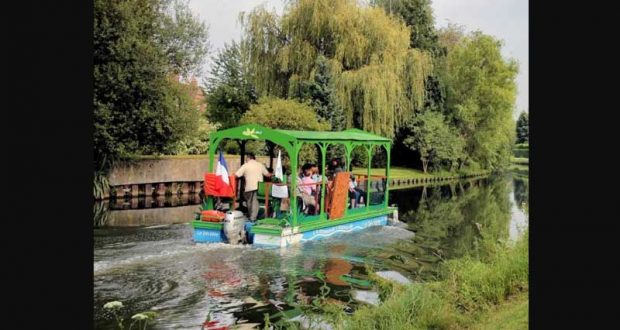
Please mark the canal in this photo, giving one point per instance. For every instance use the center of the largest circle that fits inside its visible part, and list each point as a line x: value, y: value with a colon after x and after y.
x: 146, y: 259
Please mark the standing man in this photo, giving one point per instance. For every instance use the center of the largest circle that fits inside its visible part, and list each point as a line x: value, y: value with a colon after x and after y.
x: 253, y: 172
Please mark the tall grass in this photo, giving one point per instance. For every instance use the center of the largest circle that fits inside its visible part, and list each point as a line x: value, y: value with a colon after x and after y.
x: 469, y: 286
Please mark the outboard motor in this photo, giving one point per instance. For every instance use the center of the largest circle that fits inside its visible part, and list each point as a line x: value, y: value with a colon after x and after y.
x: 234, y: 227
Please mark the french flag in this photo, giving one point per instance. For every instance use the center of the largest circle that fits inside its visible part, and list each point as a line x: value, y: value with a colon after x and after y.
x: 223, y: 182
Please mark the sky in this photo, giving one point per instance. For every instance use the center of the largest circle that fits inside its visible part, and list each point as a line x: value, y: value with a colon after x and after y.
x: 506, y: 20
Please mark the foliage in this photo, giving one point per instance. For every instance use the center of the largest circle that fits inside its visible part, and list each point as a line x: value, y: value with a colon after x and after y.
x: 523, y: 128
x: 418, y: 15
x: 379, y: 79
x: 520, y: 160
x: 138, y: 47
x: 286, y: 114
x: 183, y: 36
x: 480, y: 96
x: 101, y: 184
x: 359, y: 157
x: 196, y: 143
x: 525, y: 145
x: 322, y: 95
x: 140, y: 319
x: 432, y: 137
x: 229, y: 93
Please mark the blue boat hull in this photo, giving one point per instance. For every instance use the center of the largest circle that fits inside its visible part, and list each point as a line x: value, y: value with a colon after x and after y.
x: 290, y: 236
x: 203, y: 235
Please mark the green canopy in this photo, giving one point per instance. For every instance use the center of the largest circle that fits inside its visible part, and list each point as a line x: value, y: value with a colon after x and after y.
x: 257, y: 132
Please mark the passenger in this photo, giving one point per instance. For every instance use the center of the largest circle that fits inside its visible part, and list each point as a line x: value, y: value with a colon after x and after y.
x: 308, y: 189
x: 355, y: 193
x: 301, y: 171
x: 316, y: 177
x: 335, y: 167
x: 253, y: 173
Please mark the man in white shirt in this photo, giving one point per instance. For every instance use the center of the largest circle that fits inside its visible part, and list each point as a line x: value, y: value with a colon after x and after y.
x: 253, y: 172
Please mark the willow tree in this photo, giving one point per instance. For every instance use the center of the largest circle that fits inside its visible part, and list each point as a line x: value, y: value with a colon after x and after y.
x: 379, y: 79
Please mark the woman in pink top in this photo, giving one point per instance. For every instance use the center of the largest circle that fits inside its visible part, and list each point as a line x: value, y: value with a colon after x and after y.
x: 308, y: 189
x: 307, y: 179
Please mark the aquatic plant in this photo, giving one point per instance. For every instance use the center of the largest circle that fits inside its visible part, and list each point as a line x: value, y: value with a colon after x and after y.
x: 100, y: 215
x: 140, y: 319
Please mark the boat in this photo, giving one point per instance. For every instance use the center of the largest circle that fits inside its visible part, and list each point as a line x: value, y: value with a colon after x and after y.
x: 281, y: 226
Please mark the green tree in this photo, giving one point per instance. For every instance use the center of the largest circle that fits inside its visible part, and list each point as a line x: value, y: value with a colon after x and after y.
x: 138, y: 47
x: 322, y: 95
x: 183, y: 37
x: 418, y: 15
x: 379, y: 79
x: 480, y: 97
x: 435, y: 141
x: 523, y: 128
x: 229, y: 93
x: 286, y: 114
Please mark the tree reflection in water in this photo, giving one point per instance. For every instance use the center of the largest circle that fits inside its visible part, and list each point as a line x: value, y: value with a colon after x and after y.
x: 448, y: 222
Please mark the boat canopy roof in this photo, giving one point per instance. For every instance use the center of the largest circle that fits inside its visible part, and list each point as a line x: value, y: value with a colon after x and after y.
x: 258, y: 132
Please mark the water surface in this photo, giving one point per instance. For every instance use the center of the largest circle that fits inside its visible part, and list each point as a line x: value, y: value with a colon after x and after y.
x: 193, y: 286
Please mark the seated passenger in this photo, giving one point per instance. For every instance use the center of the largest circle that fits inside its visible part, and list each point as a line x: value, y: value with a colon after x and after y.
x: 308, y: 188
x: 355, y: 193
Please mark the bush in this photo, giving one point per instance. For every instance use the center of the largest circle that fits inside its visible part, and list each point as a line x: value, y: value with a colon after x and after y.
x: 286, y: 114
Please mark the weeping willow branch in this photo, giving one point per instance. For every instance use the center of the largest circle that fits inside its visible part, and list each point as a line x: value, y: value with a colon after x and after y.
x: 379, y: 79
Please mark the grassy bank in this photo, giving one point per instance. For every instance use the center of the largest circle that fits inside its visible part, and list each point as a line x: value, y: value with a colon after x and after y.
x: 410, y: 173
x: 484, y: 292
x: 511, y: 315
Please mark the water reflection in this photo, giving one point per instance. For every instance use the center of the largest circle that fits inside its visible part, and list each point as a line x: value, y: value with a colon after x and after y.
x: 145, y: 211
x: 212, y: 286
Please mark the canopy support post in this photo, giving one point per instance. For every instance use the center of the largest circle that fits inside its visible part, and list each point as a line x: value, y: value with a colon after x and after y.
x: 323, y: 148
x: 241, y: 185
x: 369, y: 153
x: 294, y: 159
x: 387, y: 173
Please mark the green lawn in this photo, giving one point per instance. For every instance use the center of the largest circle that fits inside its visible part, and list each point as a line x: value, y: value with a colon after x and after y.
x: 403, y: 172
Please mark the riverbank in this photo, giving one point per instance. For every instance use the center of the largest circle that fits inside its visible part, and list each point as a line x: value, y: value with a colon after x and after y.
x: 402, y: 177
x: 489, y: 291
x: 412, y: 173
x: 183, y: 174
